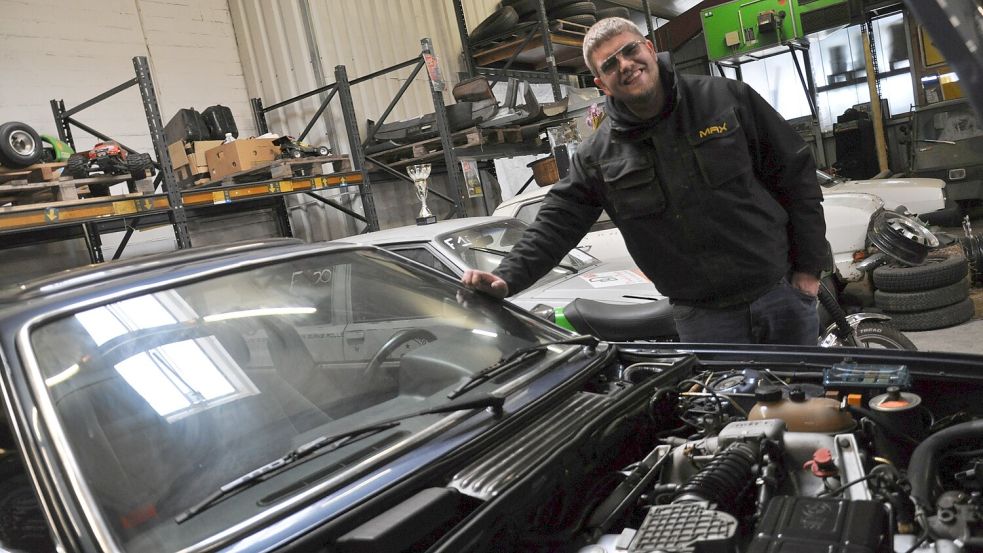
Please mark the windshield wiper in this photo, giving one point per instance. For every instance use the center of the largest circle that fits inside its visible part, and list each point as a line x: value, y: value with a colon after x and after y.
x: 515, y: 359
x: 503, y: 253
x: 328, y: 443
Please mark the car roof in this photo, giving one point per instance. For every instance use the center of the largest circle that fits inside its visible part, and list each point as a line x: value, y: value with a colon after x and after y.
x: 104, y: 272
x: 534, y: 193
x: 419, y: 233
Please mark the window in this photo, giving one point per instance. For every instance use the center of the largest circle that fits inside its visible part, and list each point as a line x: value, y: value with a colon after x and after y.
x: 424, y: 256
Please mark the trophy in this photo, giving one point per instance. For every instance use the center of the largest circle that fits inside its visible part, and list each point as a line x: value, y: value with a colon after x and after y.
x: 419, y: 174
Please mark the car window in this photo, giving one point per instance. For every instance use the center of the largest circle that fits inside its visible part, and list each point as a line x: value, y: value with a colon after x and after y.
x: 426, y: 257
x: 527, y: 213
x: 166, y: 396
x: 484, y: 246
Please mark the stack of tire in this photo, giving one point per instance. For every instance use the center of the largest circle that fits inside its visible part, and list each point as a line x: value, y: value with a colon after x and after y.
x: 932, y: 295
x: 580, y: 12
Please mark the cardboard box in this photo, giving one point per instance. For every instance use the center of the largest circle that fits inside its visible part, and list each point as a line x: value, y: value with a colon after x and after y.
x: 191, y: 154
x: 240, y: 155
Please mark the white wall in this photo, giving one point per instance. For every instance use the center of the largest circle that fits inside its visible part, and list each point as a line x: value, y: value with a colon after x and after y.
x: 60, y: 49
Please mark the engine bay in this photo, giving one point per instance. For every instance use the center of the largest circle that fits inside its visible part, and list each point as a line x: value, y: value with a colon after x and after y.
x: 674, y: 452
x: 851, y: 456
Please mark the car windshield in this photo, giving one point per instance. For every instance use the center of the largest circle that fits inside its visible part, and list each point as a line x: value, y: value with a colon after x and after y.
x: 483, y: 247
x: 166, y: 396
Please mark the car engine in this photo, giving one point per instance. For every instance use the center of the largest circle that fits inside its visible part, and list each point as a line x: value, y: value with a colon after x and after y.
x: 843, y: 459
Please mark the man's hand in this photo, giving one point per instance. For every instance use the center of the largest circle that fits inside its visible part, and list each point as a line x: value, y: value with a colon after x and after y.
x: 485, y: 282
x: 806, y: 282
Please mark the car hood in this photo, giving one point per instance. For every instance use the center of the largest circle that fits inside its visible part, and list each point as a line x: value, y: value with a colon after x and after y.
x: 919, y: 195
x: 618, y: 281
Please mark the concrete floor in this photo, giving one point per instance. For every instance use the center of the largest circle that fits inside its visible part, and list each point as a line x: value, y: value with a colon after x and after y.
x: 964, y: 338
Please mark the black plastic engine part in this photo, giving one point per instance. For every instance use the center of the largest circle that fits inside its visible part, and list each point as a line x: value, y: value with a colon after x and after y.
x: 407, y: 523
x: 820, y: 524
x: 684, y: 528
x: 924, y: 463
x: 724, y: 480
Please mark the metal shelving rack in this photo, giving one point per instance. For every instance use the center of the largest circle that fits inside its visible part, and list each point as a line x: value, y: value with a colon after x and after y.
x: 31, y: 224
x: 552, y: 73
x: 165, y: 174
x: 342, y: 88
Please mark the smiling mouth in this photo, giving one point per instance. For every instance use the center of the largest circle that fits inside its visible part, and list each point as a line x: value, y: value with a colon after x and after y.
x: 631, y: 76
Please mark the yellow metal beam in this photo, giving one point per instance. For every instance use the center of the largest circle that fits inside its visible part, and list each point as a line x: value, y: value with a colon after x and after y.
x: 90, y: 210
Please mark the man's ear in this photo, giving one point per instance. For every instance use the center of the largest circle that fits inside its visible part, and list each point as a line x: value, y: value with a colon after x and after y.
x: 600, y: 84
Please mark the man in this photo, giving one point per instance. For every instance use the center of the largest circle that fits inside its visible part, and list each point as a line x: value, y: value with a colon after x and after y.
x: 715, y: 195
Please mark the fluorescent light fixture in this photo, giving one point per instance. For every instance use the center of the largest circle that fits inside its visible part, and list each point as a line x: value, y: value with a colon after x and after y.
x: 261, y: 312
x: 64, y: 375
x: 487, y: 333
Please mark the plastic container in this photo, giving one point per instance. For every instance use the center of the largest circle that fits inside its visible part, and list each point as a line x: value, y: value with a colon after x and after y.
x: 801, y: 413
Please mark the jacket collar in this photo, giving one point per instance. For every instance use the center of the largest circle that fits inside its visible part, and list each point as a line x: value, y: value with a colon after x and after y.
x: 625, y: 125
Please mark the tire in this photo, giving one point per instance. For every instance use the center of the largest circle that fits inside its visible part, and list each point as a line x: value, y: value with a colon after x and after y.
x: 551, y: 5
x: 585, y: 20
x: 906, y: 302
x: 931, y: 319
x: 525, y: 8
x: 618, y: 11
x: 575, y: 8
x: 138, y: 165
x: 77, y: 166
x: 935, y: 272
x: 499, y: 22
x: 881, y: 334
x: 20, y: 145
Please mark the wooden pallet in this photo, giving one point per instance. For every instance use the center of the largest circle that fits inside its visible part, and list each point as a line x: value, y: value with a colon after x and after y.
x: 567, y: 39
x: 432, y: 148
x: 39, y: 172
x: 65, y: 189
x: 284, y: 169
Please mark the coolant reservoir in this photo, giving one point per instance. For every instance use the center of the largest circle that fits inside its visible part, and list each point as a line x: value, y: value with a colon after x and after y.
x: 800, y: 413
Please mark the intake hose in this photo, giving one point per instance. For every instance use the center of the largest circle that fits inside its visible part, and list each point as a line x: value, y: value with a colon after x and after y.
x: 924, y: 460
x: 723, y: 480
x: 835, y: 312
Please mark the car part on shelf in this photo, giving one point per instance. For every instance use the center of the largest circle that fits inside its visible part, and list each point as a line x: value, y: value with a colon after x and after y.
x: 20, y: 145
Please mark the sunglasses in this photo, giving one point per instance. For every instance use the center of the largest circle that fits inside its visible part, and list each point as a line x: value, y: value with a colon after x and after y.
x: 627, y: 51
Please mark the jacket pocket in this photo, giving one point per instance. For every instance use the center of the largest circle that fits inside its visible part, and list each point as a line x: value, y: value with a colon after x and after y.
x: 721, y: 149
x: 632, y: 189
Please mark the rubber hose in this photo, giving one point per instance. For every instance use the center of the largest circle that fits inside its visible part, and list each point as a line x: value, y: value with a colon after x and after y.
x: 924, y: 461
x: 724, y: 479
x: 835, y: 311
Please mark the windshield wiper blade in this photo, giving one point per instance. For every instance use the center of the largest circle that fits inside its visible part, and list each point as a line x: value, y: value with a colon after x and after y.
x: 515, y: 359
x: 332, y: 442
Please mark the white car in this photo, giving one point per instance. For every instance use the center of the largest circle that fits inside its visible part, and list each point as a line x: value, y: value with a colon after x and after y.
x: 848, y: 207
x: 457, y: 245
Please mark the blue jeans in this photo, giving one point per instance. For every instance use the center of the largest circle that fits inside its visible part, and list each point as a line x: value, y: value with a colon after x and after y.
x: 783, y: 315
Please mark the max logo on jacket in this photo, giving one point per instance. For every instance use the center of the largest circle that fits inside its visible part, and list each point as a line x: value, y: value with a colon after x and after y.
x: 716, y: 129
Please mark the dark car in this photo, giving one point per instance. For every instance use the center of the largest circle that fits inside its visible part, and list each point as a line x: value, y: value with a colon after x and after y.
x: 286, y: 396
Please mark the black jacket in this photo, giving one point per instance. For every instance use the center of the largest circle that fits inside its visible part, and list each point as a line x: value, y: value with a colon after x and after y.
x: 716, y: 199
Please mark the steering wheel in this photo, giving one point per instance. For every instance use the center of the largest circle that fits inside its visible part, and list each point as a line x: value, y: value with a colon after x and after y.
x: 394, y: 341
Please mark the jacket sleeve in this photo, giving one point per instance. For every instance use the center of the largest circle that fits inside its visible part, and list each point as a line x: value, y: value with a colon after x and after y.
x: 784, y: 164
x: 567, y: 213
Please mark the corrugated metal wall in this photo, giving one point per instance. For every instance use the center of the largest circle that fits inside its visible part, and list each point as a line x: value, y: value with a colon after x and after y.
x: 292, y: 46
x: 280, y: 62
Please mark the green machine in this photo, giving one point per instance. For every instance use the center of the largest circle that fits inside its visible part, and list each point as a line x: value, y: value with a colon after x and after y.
x: 735, y: 29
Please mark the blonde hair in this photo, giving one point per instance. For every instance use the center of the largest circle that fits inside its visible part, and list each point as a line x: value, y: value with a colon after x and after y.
x: 604, y: 30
